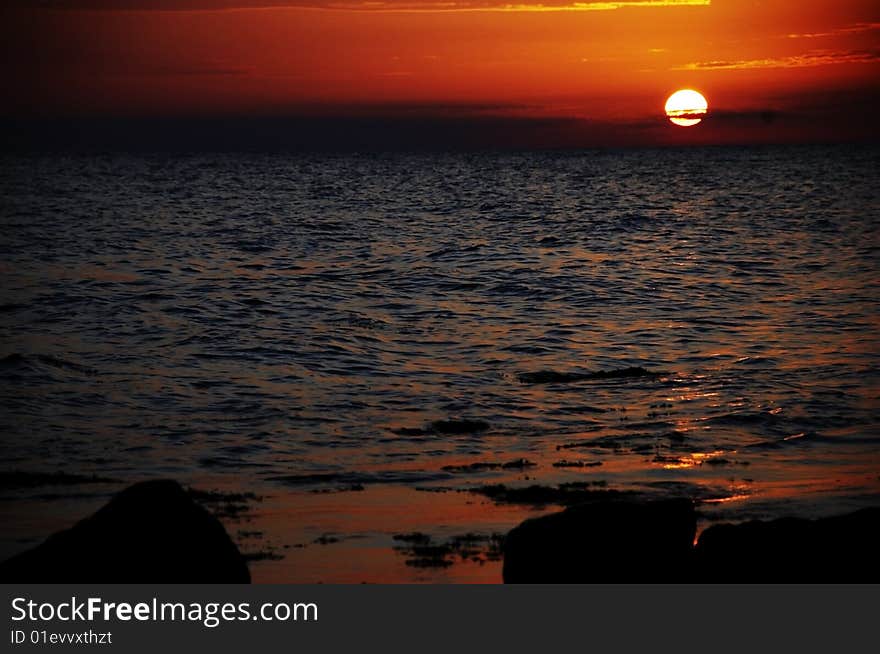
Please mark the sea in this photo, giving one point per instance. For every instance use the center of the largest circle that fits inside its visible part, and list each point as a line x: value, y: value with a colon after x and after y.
x: 357, y: 353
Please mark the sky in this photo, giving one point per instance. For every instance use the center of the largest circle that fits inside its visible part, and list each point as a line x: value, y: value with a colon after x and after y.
x: 422, y: 72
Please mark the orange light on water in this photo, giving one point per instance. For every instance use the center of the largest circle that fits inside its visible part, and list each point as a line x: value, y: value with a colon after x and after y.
x: 692, y: 460
x: 725, y: 500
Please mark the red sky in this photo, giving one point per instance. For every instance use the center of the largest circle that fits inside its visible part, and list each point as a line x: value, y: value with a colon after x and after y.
x: 555, y: 73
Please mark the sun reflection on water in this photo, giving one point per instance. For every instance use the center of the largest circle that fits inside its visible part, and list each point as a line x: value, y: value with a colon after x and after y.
x: 693, y: 460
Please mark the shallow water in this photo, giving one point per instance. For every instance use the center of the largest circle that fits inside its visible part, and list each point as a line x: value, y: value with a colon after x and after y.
x: 291, y: 324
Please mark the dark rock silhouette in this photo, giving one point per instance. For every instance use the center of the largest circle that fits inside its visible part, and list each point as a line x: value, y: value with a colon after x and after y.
x: 458, y: 426
x: 554, y: 377
x: 446, y: 427
x: 607, y: 541
x: 480, y: 466
x: 567, y: 494
x: 628, y: 540
x: 840, y: 549
x: 151, y: 532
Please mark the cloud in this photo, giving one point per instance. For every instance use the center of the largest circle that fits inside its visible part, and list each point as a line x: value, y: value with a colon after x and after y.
x: 357, y: 5
x: 826, y: 116
x: 477, y: 6
x: 852, y: 29
x: 807, y: 60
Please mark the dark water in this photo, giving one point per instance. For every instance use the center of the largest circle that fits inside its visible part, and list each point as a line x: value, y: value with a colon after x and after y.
x: 258, y: 316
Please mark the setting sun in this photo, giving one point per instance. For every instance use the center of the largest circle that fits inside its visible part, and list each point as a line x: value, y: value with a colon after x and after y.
x: 686, y: 108
x: 379, y: 292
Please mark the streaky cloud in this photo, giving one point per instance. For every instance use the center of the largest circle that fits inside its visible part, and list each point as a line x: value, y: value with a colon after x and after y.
x: 387, y: 6
x: 858, y: 28
x: 807, y: 60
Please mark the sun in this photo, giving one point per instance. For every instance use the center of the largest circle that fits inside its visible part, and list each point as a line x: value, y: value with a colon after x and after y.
x: 686, y: 108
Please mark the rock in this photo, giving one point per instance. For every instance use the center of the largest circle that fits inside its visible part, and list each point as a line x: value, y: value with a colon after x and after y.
x: 456, y: 427
x: 554, y: 377
x: 841, y: 549
x: 551, y: 377
x: 567, y: 494
x: 151, y: 532
x: 565, y: 463
x: 476, y: 466
x: 445, y: 427
x: 607, y: 541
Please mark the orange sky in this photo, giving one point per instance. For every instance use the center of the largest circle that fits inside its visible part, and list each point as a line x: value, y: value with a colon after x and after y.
x: 771, y: 69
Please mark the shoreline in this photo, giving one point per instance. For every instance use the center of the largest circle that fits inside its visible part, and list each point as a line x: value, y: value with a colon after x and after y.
x: 373, y: 535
